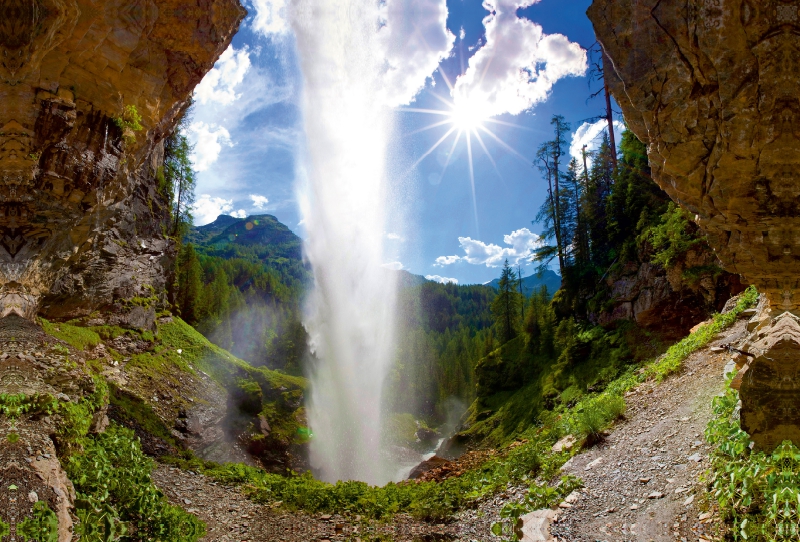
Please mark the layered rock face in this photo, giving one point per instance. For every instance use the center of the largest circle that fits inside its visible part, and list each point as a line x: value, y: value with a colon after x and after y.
x: 712, y: 87
x: 79, y: 218
x: 80, y: 214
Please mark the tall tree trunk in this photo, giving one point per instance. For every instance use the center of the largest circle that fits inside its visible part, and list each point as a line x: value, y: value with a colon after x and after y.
x: 178, y: 204
x: 609, y: 113
x: 557, y: 198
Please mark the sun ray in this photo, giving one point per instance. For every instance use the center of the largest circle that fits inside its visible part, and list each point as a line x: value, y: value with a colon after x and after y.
x: 445, y: 101
x: 429, y: 127
x: 472, y: 184
x: 452, y: 150
x: 446, y: 79
x: 483, y: 146
x: 518, y: 126
x: 430, y: 111
x: 505, y: 145
x: 433, y: 148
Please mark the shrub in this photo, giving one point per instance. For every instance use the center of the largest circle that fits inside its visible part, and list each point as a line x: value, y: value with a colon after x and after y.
x: 115, y: 493
x: 758, y: 493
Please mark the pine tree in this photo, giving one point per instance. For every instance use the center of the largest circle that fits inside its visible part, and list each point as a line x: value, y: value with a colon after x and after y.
x: 506, y: 306
x: 189, y: 295
x: 179, y: 179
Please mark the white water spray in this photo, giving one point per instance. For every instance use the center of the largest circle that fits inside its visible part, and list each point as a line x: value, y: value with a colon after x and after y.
x: 350, y: 315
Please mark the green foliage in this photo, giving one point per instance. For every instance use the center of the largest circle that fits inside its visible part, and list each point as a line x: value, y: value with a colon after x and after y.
x: 506, y: 306
x: 758, y: 493
x: 595, y: 414
x: 672, y: 237
x: 671, y: 361
x: 176, y: 180
x: 115, y: 494
x: 538, y: 497
x: 241, y: 283
x: 5, y: 529
x: 14, y: 405
x: 78, y: 337
x: 433, y: 501
x: 129, y: 122
x: 41, y: 526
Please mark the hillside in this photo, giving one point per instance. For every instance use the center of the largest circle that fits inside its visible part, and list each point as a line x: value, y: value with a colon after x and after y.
x: 532, y: 283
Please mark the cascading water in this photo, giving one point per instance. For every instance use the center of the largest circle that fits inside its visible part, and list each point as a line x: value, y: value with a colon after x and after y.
x: 350, y: 315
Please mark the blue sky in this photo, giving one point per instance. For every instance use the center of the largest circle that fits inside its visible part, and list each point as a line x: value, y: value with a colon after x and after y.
x: 248, y: 136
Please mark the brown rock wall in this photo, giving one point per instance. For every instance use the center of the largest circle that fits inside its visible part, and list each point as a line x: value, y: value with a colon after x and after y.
x: 711, y: 87
x: 72, y: 185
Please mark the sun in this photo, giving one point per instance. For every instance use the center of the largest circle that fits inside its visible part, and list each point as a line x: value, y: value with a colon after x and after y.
x: 467, y: 117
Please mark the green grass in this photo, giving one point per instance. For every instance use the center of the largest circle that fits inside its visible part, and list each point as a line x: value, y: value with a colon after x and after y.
x: 78, y: 337
x: 671, y: 361
x: 134, y: 411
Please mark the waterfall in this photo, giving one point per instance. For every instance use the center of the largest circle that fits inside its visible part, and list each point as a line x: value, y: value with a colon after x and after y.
x: 350, y: 313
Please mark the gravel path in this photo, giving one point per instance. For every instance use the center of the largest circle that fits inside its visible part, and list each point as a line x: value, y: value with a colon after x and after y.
x: 640, y: 484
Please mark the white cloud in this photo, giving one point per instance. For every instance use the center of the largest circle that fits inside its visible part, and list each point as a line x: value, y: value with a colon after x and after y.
x: 259, y: 202
x: 446, y: 260
x: 441, y: 280
x: 207, y: 140
x: 590, y: 134
x: 518, y: 64
x: 206, y: 209
x: 394, y: 266
x: 219, y: 85
x: 522, y: 243
x: 414, y: 39
x: 395, y: 237
x: 241, y: 213
x: 270, y: 17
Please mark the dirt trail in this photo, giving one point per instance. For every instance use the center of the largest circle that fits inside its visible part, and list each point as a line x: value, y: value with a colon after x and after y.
x: 640, y: 484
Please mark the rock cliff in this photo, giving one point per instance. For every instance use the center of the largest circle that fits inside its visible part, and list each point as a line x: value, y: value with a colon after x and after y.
x: 88, y: 91
x: 80, y: 216
x: 711, y: 87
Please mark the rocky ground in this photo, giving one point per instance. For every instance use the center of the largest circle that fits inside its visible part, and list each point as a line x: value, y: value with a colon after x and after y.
x: 643, y: 483
x: 640, y: 484
x: 230, y: 516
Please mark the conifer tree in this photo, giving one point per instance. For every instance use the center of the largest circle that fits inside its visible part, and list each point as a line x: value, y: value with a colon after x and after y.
x: 506, y: 306
x: 179, y: 179
x: 190, y: 285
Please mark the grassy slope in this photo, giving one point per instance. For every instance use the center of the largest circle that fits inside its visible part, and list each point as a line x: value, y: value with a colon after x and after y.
x: 160, y: 368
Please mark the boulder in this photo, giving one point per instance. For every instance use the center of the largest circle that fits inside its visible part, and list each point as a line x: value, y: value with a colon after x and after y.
x: 425, y: 466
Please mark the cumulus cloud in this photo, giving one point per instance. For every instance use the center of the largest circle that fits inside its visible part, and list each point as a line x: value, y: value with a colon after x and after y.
x: 518, y: 64
x: 219, y: 85
x: 394, y: 266
x: 446, y: 260
x: 206, y: 209
x: 414, y: 38
x: 270, y: 17
x: 590, y: 134
x: 441, y: 280
x: 259, y: 202
x: 522, y: 244
x: 207, y: 140
x: 241, y: 213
